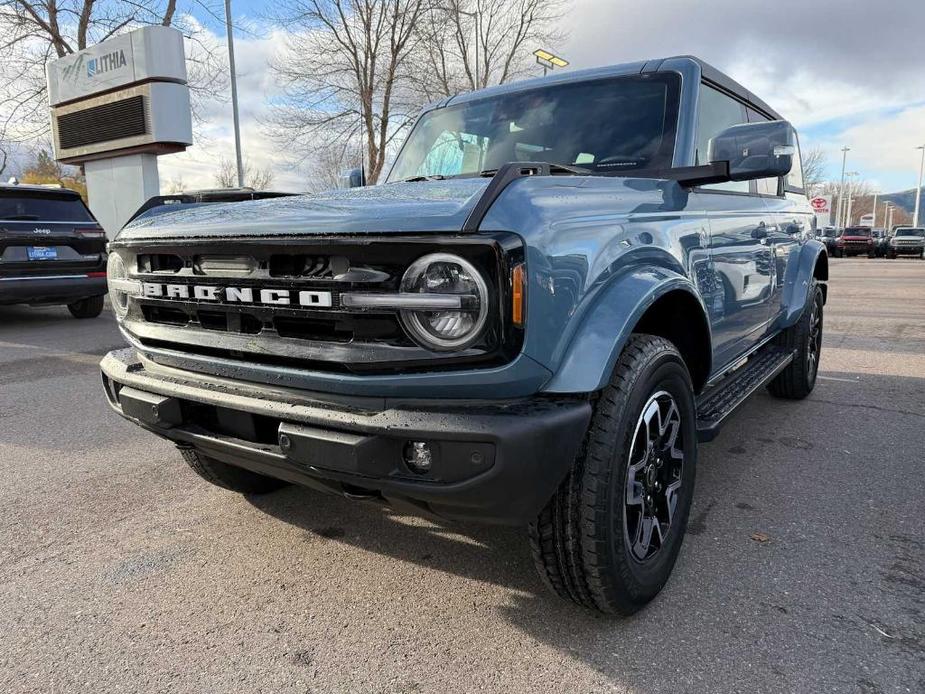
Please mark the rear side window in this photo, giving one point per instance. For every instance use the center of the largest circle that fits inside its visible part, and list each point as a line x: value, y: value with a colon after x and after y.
x: 716, y: 112
x: 43, y: 208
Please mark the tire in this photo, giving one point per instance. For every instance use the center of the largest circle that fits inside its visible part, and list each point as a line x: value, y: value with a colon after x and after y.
x: 871, y: 254
x: 891, y: 256
x: 798, y: 379
x: 581, y: 539
x: 229, y: 477
x: 86, y: 308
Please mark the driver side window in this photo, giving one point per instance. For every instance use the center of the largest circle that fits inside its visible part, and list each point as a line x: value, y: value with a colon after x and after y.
x: 716, y: 112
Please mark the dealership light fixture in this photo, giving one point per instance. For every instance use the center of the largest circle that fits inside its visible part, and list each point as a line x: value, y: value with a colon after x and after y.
x: 549, y: 61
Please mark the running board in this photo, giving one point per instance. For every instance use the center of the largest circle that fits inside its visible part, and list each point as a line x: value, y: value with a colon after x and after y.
x: 722, y: 399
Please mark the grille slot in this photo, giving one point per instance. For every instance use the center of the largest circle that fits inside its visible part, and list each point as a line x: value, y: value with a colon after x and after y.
x: 306, y: 266
x: 165, y: 315
x: 160, y: 262
x: 213, y: 320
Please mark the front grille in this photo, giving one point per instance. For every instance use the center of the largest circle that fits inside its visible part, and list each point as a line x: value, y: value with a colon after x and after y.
x: 332, y: 338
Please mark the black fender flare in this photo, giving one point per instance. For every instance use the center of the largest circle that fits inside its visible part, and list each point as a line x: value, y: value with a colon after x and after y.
x: 799, y: 281
x: 608, y: 323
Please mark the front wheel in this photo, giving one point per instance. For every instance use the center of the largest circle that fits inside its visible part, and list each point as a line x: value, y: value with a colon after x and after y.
x: 229, y: 477
x: 86, y: 308
x: 805, y: 339
x: 610, y: 536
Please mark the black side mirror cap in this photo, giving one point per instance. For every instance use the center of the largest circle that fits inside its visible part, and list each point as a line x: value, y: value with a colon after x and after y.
x: 354, y: 178
x: 755, y: 150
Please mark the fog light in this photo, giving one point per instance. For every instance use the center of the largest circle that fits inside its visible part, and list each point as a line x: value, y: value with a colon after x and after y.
x: 418, y: 456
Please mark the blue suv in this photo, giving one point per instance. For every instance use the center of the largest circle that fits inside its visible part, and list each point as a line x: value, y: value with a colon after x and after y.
x: 563, y: 286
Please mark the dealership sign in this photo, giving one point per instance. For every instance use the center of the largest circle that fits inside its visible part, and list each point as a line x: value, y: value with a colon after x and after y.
x: 152, y: 53
x: 822, y: 206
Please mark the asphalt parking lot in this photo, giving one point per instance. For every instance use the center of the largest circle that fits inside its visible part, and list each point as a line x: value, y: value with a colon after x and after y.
x: 803, y: 569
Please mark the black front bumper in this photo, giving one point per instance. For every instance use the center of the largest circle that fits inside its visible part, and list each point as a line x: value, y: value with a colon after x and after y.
x: 492, y: 462
x: 50, y: 289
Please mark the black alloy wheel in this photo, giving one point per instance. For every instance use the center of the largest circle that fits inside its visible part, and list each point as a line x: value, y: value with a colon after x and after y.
x: 653, y: 479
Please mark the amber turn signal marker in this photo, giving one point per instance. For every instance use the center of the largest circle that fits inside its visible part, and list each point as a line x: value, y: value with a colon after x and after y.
x: 517, y: 295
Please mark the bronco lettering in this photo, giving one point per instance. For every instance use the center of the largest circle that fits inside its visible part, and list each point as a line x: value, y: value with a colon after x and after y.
x: 234, y: 295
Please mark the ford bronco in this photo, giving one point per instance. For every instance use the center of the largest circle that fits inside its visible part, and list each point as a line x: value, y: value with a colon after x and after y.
x: 907, y: 241
x: 855, y: 241
x: 563, y: 286
x: 52, y: 250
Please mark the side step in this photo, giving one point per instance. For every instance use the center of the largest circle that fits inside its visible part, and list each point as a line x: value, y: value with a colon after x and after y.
x: 722, y: 399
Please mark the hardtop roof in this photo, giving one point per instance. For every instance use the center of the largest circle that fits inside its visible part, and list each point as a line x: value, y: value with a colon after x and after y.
x: 709, y: 73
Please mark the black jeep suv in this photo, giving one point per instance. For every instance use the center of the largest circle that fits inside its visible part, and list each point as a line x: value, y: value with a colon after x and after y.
x: 52, y: 250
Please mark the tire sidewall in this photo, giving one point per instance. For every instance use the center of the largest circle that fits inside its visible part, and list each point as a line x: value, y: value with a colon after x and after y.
x: 645, y: 579
x: 815, y: 297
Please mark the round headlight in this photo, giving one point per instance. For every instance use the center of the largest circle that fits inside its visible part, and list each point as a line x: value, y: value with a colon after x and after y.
x: 447, y: 276
x: 115, y: 270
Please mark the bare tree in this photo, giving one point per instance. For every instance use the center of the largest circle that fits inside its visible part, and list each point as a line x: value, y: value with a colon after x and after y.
x: 254, y: 176
x: 172, y: 186
x: 814, y: 165
x: 327, y: 167
x: 470, y: 44
x: 341, y: 69
x: 33, y: 32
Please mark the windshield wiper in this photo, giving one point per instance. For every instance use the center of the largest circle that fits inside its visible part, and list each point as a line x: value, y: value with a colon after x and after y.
x: 417, y: 179
x: 21, y: 217
x: 552, y: 166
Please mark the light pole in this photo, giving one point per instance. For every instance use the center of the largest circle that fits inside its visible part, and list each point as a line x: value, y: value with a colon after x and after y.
x: 918, y: 189
x: 888, y: 212
x: 873, y: 222
x: 474, y: 15
x: 851, y: 191
x: 841, y: 186
x: 234, y: 94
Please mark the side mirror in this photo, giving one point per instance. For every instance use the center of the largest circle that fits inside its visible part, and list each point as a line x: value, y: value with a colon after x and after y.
x: 755, y: 150
x: 354, y: 178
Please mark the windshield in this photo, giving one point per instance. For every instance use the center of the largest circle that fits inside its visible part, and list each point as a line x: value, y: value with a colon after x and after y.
x: 605, y: 126
x: 910, y: 232
x: 857, y: 231
x: 829, y: 233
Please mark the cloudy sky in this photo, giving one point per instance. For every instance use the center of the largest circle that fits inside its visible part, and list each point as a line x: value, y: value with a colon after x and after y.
x: 843, y: 72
